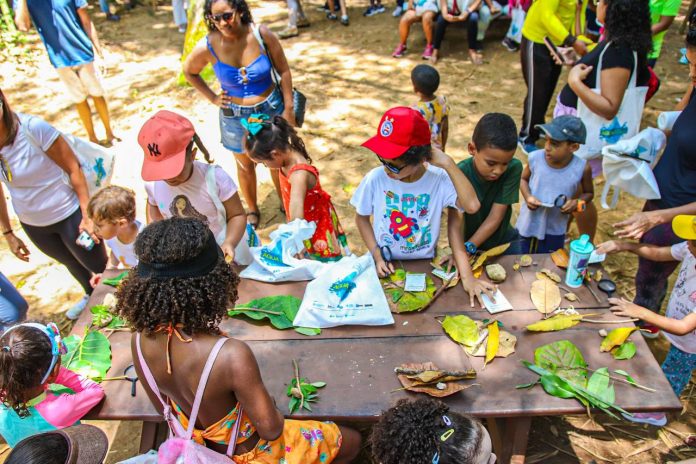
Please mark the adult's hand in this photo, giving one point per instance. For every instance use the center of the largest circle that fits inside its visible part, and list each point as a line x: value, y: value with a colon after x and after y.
x: 88, y: 226
x: 222, y: 100
x: 580, y: 47
x: 17, y: 246
x: 289, y: 115
x: 579, y: 73
x: 637, y: 225
x: 450, y: 18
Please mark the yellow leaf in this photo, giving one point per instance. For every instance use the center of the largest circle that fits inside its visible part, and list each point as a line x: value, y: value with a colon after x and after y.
x: 560, y: 258
x: 548, y: 274
x: 616, y: 337
x: 558, y: 322
x: 545, y: 295
x: 495, y: 251
x: 493, y: 341
x: 526, y: 261
x: 477, y: 273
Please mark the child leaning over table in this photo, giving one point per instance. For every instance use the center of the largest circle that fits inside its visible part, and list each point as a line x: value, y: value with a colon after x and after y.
x: 29, y: 362
x: 550, y: 173
x: 407, y: 194
x: 679, y: 321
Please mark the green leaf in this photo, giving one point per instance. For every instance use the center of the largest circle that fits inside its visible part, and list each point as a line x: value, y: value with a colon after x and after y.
x: 627, y: 350
x: 601, y: 386
x: 526, y: 385
x: 401, y: 301
x: 280, y: 310
x: 102, y: 317
x: 557, y: 386
x: 462, y: 329
x: 294, y: 403
x: 306, y: 406
x: 629, y: 379
x: 90, y: 357
x: 115, y: 281
x: 307, y: 331
x: 564, y: 359
x: 319, y: 384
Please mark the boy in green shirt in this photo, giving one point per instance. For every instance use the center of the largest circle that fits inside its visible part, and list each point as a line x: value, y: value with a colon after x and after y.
x: 662, y: 13
x: 495, y: 175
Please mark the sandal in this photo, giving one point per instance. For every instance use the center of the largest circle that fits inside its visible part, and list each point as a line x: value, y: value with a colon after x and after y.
x: 255, y: 214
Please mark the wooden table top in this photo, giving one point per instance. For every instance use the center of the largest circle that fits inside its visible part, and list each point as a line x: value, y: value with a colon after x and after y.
x: 357, y: 362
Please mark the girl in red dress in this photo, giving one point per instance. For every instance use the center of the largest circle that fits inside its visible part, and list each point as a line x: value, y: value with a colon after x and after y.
x: 275, y: 144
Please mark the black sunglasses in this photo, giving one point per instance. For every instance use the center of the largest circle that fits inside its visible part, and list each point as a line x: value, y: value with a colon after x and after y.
x: 226, y: 17
x: 390, y: 166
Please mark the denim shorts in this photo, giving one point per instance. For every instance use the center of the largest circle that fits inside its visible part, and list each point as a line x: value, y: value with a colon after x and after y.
x: 231, y: 129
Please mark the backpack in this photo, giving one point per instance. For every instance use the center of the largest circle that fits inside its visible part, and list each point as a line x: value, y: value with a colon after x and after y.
x: 180, y: 447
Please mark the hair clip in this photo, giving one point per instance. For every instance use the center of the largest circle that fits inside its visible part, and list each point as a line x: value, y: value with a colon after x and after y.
x: 447, y: 434
x: 254, y: 123
x: 6, y: 348
x: 447, y: 421
x: 436, y: 458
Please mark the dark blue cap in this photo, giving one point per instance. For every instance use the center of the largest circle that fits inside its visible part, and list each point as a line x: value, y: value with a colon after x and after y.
x: 565, y: 128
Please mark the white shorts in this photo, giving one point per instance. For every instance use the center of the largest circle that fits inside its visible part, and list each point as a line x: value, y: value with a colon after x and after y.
x: 81, y: 81
x: 427, y: 6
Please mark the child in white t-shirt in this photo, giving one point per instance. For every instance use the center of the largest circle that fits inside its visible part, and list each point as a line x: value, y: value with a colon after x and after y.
x: 679, y: 321
x: 112, y: 210
x: 407, y: 194
x: 178, y: 185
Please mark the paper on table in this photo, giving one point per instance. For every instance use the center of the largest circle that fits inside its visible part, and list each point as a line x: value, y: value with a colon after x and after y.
x: 501, y: 303
x: 415, y: 282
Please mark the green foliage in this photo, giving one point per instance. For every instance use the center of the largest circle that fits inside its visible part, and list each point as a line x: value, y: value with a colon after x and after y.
x: 308, y: 394
x: 626, y: 350
x: 89, y: 356
x: 103, y: 318
x: 600, y: 385
x: 115, y: 281
x: 401, y: 301
x: 462, y: 329
x: 280, y: 310
x: 564, y: 359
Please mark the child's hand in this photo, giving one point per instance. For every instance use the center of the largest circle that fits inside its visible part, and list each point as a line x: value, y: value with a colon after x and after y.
x: 623, y: 307
x: 228, y: 250
x: 446, y: 262
x: 94, y: 281
x: 440, y: 158
x: 475, y: 288
x: 383, y: 268
x: 570, y: 206
x: 607, y: 248
x: 533, y: 202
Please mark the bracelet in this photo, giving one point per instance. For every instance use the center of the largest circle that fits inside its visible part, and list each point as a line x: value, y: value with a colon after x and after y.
x: 8, y: 232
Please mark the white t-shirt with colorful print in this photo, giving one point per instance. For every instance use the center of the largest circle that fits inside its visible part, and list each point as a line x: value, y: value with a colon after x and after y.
x: 406, y: 215
x: 682, y: 301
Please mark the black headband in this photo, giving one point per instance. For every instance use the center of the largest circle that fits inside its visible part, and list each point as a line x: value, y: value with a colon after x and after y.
x: 197, y: 266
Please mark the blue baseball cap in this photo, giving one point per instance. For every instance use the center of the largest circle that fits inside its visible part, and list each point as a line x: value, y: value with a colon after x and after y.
x: 565, y: 129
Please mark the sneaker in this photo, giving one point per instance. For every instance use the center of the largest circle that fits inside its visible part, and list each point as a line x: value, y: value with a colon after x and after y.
x: 345, y: 21
x: 288, y: 32
x: 399, y: 51
x: 303, y: 22
x: 378, y: 9
x: 428, y: 52
x: 510, y: 45
x: 657, y: 419
x: 398, y: 11
x: 75, y: 310
x: 331, y: 16
x: 112, y: 17
x: 369, y: 11
x: 526, y: 148
x: 649, y: 331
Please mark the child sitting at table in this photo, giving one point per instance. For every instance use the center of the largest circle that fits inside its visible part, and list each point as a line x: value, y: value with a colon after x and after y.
x: 551, y: 174
x: 495, y: 175
x: 29, y: 362
x: 174, y: 299
x: 426, y: 80
x: 407, y: 194
x: 679, y: 321
x: 427, y: 431
x: 275, y: 144
x: 112, y: 210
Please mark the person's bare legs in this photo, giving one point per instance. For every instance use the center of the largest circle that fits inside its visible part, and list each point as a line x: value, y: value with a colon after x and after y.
x: 103, y: 110
x: 428, y: 18
x: 246, y: 174
x: 587, y: 220
x: 350, y: 446
x: 344, y: 10
x: 405, y: 25
x: 85, y: 113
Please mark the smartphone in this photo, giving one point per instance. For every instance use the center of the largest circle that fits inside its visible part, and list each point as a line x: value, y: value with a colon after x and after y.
x: 85, y: 240
x: 554, y: 51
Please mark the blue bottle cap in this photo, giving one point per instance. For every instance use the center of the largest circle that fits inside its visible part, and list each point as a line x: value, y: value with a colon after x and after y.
x: 582, y: 245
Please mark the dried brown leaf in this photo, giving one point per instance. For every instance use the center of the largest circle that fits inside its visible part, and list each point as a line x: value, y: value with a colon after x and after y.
x: 545, y: 295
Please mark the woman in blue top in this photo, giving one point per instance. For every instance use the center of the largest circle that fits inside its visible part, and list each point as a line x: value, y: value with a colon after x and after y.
x: 242, y: 55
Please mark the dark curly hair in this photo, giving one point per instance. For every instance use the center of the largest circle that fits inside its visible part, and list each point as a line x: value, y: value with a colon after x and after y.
x: 198, y: 304
x: 276, y: 134
x: 240, y: 6
x: 409, y: 433
x: 416, y: 155
x: 25, y: 356
x: 691, y: 31
x: 627, y: 24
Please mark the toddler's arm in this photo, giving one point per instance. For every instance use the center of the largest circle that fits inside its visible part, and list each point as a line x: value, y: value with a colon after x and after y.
x: 64, y: 410
x: 532, y: 201
x: 368, y: 236
x: 466, y: 195
x: 623, y: 307
x: 300, y: 181
x: 644, y: 250
x: 444, y: 131
x: 587, y: 188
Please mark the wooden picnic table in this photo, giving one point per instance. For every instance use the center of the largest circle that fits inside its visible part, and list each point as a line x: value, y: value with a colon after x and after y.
x: 358, y: 361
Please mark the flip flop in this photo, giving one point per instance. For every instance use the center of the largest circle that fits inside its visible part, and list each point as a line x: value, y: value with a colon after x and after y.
x: 258, y: 218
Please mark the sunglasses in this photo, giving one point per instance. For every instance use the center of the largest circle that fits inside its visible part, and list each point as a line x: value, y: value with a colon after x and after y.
x: 390, y: 166
x: 226, y: 17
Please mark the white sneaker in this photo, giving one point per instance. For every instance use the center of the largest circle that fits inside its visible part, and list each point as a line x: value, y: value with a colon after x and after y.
x: 75, y: 310
x: 397, y: 11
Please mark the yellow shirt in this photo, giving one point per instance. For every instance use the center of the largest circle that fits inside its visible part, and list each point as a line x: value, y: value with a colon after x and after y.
x: 552, y: 18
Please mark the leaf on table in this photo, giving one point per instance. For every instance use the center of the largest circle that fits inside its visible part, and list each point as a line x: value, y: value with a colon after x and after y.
x: 545, y: 295
x: 280, y: 310
x: 526, y: 261
x: 102, y: 317
x: 462, y: 329
x: 417, y: 385
x: 601, y: 386
x: 623, y: 373
x: 506, y: 343
x: 616, y: 338
x: 564, y: 359
x: 560, y: 258
x: 570, y: 296
x: 548, y: 274
x: 495, y: 251
x: 401, y: 301
x: 115, y: 281
x: 626, y: 350
x: 492, y: 343
x: 90, y: 357
x: 440, y: 253
x: 557, y: 322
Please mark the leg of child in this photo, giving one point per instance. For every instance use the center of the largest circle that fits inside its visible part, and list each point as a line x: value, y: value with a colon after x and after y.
x: 474, y: 44
x: 428, y: 20
x: 344, y: 10
x: 405, y: 25
x: 678, y: 367
x: 440, y: 29
x: 246, y: 174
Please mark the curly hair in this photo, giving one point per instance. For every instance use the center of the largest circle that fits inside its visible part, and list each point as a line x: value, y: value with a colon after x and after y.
x: 197, y: 304
x: 112, y: 203
x: 691, y: 31
x: 627, y: 24
x: 409, y: 433
x: 277, y: 134
x: 25, y: 356
x: 240, y: 6
x: 416, y: 154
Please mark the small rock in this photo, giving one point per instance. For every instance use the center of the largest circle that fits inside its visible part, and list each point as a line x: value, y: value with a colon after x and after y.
x: 441, y: 385
x: 603, y: 332
x: 496, y: 272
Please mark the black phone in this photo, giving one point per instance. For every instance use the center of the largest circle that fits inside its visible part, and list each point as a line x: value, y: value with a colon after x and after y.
x: 554, y: 51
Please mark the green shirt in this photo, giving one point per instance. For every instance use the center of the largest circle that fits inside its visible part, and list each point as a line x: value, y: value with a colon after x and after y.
x: 505, y: 191
x: 659, y: 8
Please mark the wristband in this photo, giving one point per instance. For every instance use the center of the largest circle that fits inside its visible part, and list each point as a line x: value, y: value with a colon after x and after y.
x: 569, y: 41
x: 7, y: 232
x: 470, y: 248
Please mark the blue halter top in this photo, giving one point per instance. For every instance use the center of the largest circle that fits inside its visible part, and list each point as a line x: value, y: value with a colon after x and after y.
x: 245, y: 81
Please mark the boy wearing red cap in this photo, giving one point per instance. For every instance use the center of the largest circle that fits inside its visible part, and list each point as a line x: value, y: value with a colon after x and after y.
x: 407, y: 194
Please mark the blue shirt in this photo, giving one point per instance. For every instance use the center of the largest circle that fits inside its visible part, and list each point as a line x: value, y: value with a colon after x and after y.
x: 61, y: 30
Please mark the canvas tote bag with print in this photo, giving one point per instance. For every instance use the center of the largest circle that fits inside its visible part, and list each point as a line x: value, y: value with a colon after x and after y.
x: 517, y: 15
x: 624, y: 125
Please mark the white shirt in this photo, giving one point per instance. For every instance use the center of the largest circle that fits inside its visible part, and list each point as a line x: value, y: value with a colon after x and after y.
x: 191, y: 199
x: 682, y: 301
x: 41, y: 195
x: 406, y: 215
x: 125, y: 252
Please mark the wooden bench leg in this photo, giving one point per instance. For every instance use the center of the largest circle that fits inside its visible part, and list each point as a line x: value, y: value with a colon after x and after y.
x: 518, y: 435
x: 496, y: 431
x: 152, y: 436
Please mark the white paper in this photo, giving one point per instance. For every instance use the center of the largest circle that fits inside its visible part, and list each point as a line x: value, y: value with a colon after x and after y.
x: 443, y: 275
x: 415, y: 282
x: 501, y: 303
x: 596, y: 257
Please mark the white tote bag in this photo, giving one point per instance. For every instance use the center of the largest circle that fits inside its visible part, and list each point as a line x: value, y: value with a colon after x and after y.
x: 602, y: 132
x: 348, y: 293
x: 518, y: 15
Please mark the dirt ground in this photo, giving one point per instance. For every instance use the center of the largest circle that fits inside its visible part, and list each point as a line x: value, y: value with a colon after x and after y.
x: 349, y: 78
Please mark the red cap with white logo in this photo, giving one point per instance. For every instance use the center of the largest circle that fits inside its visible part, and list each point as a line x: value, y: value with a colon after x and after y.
x: 399, y: 129
x: 164, y: 138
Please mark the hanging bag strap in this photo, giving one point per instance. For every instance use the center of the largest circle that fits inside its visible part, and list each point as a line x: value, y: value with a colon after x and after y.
x: 257, y: 33
x: 598, y: 77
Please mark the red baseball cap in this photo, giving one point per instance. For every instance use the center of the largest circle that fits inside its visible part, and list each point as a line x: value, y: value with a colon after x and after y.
x: 399, y: 129
x: 164, y: 138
